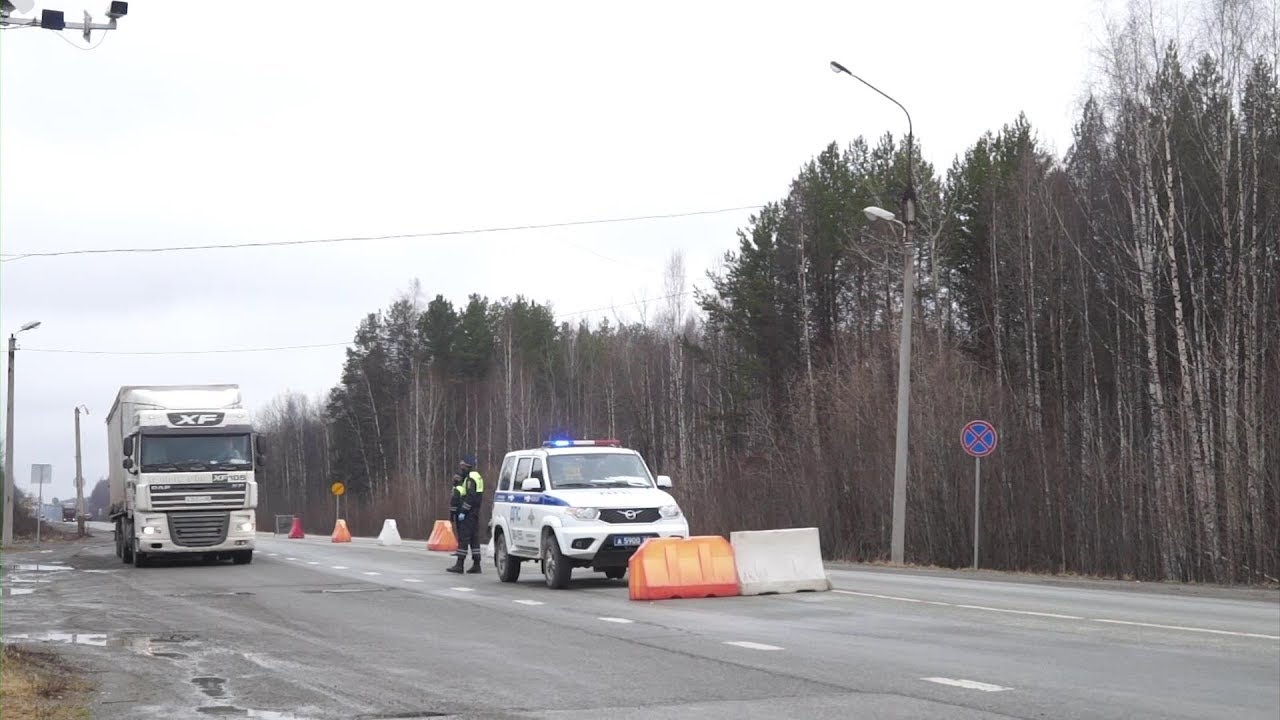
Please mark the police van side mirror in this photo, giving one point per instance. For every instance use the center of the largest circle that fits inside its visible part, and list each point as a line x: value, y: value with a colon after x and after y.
x: 664, y: 481
x: 531, y: 485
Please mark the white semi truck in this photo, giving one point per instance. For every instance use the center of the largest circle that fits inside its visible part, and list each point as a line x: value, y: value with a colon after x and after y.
x: 182, y: 461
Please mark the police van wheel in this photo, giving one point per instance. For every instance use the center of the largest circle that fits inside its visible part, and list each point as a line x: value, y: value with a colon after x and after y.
x: 615, y: 573
x: 555, y: 566
x: 508, y: 569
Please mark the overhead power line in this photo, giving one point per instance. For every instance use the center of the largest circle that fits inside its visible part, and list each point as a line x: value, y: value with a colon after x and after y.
x: 283, y: 348
x: 369, y: 238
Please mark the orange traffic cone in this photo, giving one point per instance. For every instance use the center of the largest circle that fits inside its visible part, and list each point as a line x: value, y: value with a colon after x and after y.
x: 295, y: 532
x: 442, y: 537
x: 340, y: 532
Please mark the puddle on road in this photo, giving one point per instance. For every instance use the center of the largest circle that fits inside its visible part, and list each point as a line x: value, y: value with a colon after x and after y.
x: 140, y: 645
x: 25, y: 567
x: 233, y: 711
x: 64, y: 638
x: 214, y: 687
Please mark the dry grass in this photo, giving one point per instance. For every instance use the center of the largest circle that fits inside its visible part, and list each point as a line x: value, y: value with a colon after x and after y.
x: 35, y: 684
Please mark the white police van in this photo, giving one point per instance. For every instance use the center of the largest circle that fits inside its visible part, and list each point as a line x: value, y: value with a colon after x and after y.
x: 578, y: 503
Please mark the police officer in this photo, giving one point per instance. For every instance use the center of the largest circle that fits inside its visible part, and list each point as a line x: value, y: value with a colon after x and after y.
x: 467, y: 496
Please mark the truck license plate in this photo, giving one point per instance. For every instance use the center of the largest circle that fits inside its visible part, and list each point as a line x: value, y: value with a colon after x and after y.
x: 629, y: 541
x: 199, y: 498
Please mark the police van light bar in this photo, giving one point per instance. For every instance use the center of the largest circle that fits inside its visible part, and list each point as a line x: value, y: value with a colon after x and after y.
x: 582, y: 443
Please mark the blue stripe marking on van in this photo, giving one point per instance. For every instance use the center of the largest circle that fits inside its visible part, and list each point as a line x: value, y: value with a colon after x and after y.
x: 529, y: 499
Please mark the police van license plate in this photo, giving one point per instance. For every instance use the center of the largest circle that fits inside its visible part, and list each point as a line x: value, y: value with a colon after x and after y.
x: 629, y: 541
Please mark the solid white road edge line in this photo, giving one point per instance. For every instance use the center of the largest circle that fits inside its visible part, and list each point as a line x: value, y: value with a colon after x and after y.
x: 1189, y: 629
x: 752, y: 645
x: 967, y: 684
x: 1064, y: 617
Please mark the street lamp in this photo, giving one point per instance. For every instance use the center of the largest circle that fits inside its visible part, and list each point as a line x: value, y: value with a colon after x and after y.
x: 6, y: 537
x: 898, y: 541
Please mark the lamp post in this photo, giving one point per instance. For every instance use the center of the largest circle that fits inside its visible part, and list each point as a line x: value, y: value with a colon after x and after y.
x: 6, y: 537
x: 79, y: 476
x: 898, y: 542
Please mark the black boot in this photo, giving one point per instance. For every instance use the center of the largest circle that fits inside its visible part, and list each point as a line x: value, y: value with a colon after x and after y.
x: 475, y: 566
x: 457, y: 567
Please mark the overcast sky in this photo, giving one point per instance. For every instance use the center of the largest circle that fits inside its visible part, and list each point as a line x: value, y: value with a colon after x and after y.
x: 199, y: 123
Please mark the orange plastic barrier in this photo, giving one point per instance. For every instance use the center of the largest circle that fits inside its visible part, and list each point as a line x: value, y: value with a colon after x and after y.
x: 340, y: 532
x: 696, y: 567
x: 295, y: 532
x: 442, y: 537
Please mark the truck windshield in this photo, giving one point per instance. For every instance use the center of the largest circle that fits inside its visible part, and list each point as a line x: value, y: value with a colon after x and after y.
x: 597, y: 470
x: 195, y: 453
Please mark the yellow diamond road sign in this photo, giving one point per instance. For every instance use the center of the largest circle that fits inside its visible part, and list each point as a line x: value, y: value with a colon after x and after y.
x: 337, y: 488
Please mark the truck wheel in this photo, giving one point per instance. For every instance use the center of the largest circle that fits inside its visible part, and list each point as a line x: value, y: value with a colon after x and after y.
x: 242, y: 557
x: 508, y: 567
x: 140, y: 559
x: 615, y: 573
x: 126, y: 544
x: 555, y: 566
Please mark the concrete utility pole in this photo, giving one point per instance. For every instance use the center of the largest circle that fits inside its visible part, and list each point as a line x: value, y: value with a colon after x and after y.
x: 56, y: 19
x: 79, y: 476
x: 6, y: 535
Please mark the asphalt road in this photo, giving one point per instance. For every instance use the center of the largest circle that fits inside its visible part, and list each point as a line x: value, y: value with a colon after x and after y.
x: 316, y: 630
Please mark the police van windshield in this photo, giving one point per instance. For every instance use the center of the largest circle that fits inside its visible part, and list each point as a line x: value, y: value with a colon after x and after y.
x: 195, y: 453
x: 597, y: 470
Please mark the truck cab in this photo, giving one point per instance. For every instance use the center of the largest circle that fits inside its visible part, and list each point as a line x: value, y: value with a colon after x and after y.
x: 183, y: 474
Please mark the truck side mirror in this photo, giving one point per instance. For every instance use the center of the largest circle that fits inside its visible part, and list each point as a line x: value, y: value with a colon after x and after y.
x: 260, y: 443
x: 128, y: 463
x: 128, y: 445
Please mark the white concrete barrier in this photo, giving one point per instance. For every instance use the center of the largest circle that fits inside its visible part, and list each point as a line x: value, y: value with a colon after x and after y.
x: 779, y: 561
x: 390, y: 535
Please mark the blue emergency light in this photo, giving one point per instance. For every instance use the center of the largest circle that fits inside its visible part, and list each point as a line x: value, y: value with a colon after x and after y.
x: 560, y: 443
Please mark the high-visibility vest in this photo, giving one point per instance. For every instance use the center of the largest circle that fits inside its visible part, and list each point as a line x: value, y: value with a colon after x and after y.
x: 478, y: 480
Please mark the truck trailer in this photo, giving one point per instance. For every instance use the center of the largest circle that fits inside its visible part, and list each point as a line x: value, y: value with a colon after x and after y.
x: 182, y: 461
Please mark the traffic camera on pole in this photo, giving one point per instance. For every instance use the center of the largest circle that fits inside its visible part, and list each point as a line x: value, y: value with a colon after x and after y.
x: 56, y: 19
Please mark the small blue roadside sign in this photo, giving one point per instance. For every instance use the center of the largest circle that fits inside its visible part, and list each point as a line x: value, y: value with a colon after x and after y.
x: 979, y: 438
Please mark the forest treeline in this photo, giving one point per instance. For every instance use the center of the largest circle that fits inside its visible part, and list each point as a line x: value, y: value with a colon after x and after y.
x: 1115, y: 312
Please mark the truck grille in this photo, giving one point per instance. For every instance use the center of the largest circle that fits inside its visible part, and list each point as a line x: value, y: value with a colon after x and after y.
x: 199, y: 529
x: 641, y: 515
x: 198, y: 496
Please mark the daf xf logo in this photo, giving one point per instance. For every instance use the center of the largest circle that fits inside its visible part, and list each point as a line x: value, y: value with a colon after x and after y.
x: 195, y: 419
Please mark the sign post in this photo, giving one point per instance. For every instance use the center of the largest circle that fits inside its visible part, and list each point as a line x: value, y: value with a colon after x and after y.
x: 40, y: 475
x: 979, y: 440
x: 337, y: 489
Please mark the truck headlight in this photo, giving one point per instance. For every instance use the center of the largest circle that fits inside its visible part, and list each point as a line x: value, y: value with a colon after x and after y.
x: 150, y: 530
x: 582, y: 513
x: 245, y: 526
x: 669, y: 511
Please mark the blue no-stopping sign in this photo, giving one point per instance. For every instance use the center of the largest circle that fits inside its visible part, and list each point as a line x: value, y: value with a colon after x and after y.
x: 979, y: 438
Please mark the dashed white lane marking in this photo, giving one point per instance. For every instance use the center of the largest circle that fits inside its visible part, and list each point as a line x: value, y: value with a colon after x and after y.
x: 752, y: 645
x: 463, y: 589
x: 291, y: 558
x: 273, y: 554
x: 1063, y: 617
x: 1021, y: 612
x: 339, y: 567
x: 1190, y: 629
x: 529, y: 602
x: 967, y: 684
x: 312, y: 562
x: 616, y: 620
x: 370, y: 572
x: 413, y: 580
